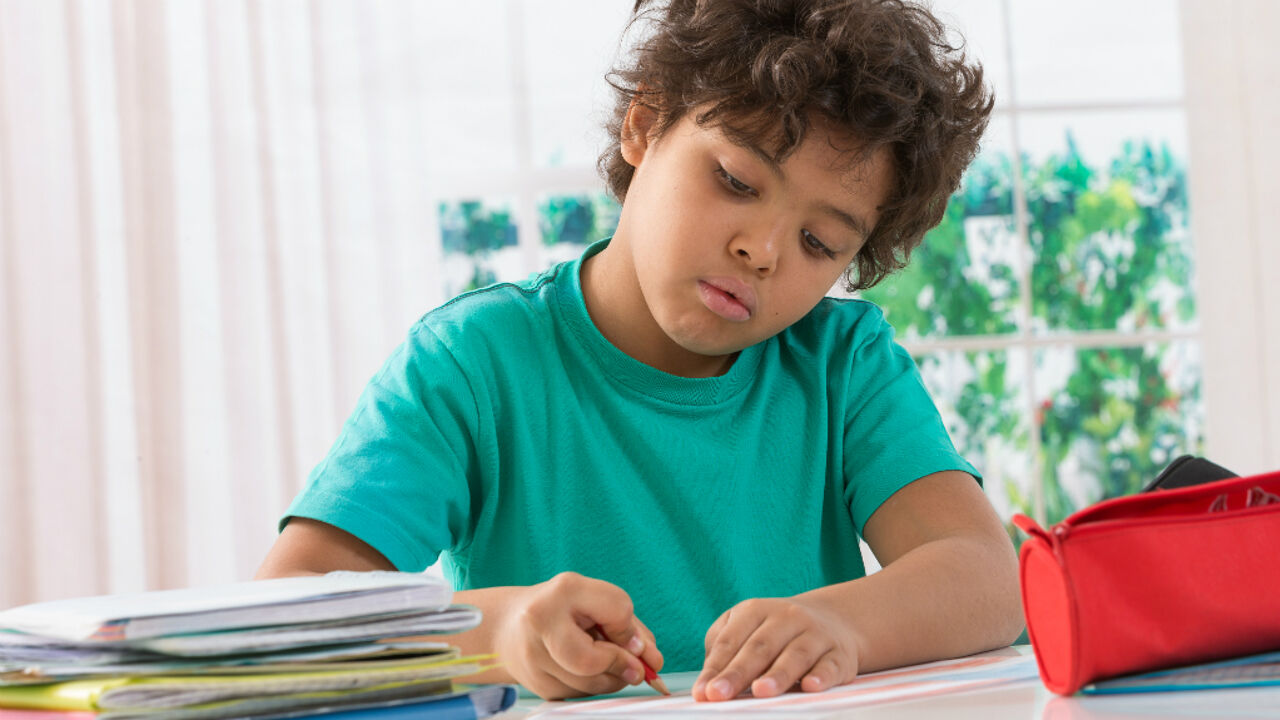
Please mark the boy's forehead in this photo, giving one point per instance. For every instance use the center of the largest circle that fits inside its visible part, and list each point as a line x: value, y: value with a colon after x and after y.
x: 822, y: 143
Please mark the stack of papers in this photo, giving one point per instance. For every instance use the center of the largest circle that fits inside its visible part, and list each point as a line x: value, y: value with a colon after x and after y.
x: 310, y: 646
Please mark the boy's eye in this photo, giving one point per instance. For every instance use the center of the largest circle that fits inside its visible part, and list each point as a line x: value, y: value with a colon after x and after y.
x: 814, y: 244
x: 735, y: 184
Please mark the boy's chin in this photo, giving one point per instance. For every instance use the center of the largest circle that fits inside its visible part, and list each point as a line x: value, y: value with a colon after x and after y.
x: 712, y: 348
x: 712, y: 340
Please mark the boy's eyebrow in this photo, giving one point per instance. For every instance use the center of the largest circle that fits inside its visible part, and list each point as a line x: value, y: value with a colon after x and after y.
x: 855, y: 224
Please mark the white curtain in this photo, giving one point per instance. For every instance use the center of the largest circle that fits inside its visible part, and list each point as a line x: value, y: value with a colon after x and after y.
x: 214, y: 225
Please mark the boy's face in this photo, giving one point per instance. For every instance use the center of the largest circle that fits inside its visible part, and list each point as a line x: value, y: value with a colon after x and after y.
x: 728, y: 249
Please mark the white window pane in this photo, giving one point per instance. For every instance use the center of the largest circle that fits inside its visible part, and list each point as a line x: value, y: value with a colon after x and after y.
x: 469, y: 110
x: 981, y: 24
x: 570, y: 45
x: 1094, y: 51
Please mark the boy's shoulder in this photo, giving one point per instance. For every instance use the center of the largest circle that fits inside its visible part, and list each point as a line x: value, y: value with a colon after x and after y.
x: 501, y: 308
x: 840, y: 323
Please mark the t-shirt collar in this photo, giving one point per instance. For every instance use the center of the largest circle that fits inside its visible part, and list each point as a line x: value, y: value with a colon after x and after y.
x: 631, y: 373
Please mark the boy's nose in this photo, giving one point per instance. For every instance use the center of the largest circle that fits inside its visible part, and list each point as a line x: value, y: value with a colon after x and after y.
x: 759, y: 251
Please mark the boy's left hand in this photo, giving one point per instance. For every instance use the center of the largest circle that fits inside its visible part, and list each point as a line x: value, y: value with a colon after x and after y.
x: 770, y: 644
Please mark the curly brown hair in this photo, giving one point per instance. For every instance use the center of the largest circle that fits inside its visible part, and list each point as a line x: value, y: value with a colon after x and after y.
x: 881, y: 70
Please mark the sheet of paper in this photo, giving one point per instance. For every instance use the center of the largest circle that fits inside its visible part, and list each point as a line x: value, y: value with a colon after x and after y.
x: 946, y: 676
x: 358, y: 657
x: 8, y: 714
x: 336, y: 595
x: 264, y: 639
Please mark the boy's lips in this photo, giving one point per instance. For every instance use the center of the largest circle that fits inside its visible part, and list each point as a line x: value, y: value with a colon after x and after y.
x: 728, y: 297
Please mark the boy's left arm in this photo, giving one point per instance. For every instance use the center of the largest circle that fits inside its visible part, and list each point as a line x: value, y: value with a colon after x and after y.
x: 948, y: 587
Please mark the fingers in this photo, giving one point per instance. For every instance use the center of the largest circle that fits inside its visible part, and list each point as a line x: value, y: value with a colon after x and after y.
x: 798, y: 660
x: 638, y: 641
x: 580, y: 654
x: 601, y: 604
x: 709, y: 643
x: 578, y: 657
x: 743, y: 660
x: 629, y: 638
x: 828, y: 672
x: 770, y: 645
x: 584, y: 685
x: 714, y: 631
x: 554, y: 662
x: 548, y: 686
x: 570, y: 637
x: 723, y: 645
x: 551, y: 687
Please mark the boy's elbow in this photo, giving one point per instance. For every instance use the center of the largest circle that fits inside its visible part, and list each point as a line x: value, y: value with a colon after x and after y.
x: 1010, y: 623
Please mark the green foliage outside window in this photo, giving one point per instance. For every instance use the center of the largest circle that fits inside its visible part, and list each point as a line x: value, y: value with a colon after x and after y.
x: 476, y: 230
x: 1110, y: 252
x: 1106, y: 244
x: 1124, y: 418
x: 577, y: 219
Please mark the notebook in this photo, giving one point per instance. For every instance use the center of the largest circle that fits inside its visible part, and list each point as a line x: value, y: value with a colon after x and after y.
x: 193, y: 696
x: 318, y: 598
x: 1251, y: 671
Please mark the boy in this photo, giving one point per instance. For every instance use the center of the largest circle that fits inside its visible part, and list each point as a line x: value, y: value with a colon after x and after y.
x: 678, y: 426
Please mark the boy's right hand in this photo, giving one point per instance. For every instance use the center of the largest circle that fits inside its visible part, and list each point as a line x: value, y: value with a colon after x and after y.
x: 545, y: 641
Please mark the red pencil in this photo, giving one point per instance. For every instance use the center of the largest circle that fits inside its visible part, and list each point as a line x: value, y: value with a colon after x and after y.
x: 650, y: 676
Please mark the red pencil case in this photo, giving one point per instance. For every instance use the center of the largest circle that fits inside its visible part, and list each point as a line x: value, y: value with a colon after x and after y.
x: 1152, y: 581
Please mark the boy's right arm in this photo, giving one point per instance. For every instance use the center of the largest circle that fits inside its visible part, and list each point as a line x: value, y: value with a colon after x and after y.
x: 540, y: 632
x: 311, y: 547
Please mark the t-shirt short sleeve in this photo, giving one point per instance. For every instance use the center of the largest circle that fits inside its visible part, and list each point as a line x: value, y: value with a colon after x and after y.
x: 397, y: 475
x: 893, y: 432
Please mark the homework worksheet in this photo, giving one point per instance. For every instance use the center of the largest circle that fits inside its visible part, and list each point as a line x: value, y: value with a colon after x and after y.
x: 936, y: 678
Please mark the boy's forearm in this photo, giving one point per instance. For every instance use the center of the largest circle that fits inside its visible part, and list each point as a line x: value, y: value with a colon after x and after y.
x: 945, y: 598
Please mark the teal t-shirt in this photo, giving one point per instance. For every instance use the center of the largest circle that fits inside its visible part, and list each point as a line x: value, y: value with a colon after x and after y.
x: 509, y: 435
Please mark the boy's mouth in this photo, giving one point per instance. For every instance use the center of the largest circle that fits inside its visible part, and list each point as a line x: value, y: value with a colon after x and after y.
x: 728, y: 297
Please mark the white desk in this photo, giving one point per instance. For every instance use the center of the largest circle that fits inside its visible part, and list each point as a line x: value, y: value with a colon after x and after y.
x: 1029, y: 701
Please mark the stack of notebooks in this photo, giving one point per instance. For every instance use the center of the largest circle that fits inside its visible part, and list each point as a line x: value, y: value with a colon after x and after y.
x: 338, y: 647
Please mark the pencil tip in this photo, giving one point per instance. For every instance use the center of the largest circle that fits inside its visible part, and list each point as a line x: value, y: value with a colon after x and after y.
x: 660, y: 686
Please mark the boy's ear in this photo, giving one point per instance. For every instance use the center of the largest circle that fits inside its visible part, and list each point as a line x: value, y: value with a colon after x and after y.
x: 637, y: 132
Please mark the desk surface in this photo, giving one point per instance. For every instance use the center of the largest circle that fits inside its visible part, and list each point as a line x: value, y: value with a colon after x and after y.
x: 1029, y: 701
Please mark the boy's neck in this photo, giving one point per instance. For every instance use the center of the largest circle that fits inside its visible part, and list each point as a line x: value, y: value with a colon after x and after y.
x: 618, y: 310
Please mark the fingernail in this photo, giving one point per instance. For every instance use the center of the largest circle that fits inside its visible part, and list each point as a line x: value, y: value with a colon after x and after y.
x: 636, y: 646
x: 767, y: 686
x: 721, y: 688
x: 631, y: 676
